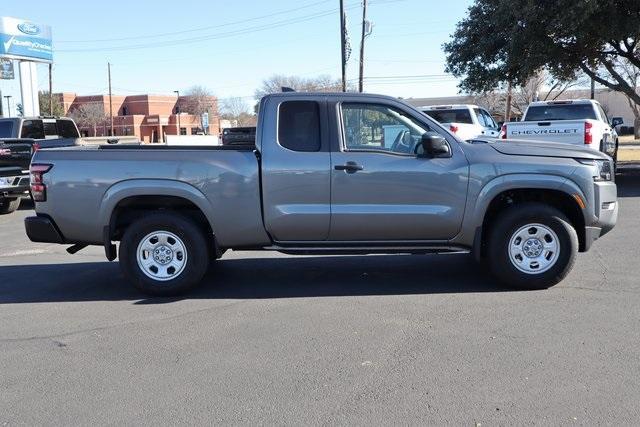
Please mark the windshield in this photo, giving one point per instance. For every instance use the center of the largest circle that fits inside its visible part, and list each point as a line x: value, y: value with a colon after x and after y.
x: 461, y: 115
x: 6, y: 129
x: 560, y: 112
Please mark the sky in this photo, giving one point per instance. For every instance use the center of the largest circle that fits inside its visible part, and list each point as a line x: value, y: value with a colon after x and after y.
x: 229, y: 47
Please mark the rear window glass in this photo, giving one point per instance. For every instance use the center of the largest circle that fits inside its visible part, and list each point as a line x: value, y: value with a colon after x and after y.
x: 299, y: 125
x: 6, y: 129
x: 50, y: 128
x: 32, y: 129
x: 67, y: 129
x: 560, y: 112
x: 461, y: 115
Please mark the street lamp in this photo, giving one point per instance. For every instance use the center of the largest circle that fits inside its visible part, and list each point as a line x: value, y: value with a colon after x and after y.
x: 177, y: 92
x: 8, y: 105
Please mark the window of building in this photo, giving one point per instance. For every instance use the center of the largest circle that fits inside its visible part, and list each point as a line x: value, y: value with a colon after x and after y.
x: 299, y: 126
x: 183, y: 131
x: 373, y: 127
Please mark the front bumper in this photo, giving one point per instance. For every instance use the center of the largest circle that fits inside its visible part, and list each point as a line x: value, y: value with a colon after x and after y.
x: 605, y: 210
x: 42, y: 229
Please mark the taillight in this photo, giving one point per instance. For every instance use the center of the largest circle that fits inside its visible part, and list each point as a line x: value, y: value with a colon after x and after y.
x: 35, y: 147
x: 503, y: 131
x: 453, y: 128
x: 588, y: 136
x: 38, y: 187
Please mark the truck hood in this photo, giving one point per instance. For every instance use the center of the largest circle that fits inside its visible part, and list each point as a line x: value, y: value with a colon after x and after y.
x: 515, y: 147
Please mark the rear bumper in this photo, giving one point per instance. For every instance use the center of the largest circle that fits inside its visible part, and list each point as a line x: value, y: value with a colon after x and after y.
x: 42, y: 229
x: 14, y: 185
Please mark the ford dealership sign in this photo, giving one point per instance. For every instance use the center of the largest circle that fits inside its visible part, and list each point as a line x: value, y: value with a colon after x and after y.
x: 20, y: 39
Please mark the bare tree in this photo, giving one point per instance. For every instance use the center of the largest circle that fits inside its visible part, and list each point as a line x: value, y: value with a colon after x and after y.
x: 631, y: 74
x: 89, y: 115
x: 275, y: 83
x: 199, y: 100
x: 235, y: 108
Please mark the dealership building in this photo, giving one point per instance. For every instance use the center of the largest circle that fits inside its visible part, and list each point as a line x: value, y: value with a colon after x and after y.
x: 150, y: 118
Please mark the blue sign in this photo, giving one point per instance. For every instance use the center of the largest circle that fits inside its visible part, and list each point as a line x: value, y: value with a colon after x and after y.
x: 20, y: 39
x: 205, y: 122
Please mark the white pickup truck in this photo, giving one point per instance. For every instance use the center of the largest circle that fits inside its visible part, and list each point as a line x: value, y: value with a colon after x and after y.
x: 578, y: 122
x: 465, y: 120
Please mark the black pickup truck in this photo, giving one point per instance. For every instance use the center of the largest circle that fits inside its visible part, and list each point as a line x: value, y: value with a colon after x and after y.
x: 20, y: 137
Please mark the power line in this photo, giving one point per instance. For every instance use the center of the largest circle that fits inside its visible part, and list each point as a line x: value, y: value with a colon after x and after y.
x: 248, y: 30
x: 210, y: 27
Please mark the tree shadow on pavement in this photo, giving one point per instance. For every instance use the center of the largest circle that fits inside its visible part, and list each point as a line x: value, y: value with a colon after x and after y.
x: 257, y: 278
x: 628, y: 182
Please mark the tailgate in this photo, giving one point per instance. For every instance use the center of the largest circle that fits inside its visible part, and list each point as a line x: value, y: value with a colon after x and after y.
x: 16, y: 153
x: 566, y: 131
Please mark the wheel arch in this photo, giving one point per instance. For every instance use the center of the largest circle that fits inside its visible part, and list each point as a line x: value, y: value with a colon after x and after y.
x: 124, y: 201
x: 558, y: 192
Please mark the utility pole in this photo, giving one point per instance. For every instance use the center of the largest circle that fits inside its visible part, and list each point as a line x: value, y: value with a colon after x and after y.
x: 50, y: 91
x: 343, y: 47
x: 593, y: 88
x: 177, y: 92
x: 110, y: 102
x: 507, y: 112
x: 364, y: 35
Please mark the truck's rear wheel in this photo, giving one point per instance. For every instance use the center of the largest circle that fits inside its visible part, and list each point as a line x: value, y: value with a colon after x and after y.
x: 9, y: 205
x: 532, y: 246
x: 164, y: 254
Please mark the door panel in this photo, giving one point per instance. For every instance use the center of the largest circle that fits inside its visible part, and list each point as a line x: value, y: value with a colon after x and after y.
x: 296, y: 181
x: 393, y: 195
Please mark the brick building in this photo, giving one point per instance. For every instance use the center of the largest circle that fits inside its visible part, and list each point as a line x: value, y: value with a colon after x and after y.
x: 147, y: 117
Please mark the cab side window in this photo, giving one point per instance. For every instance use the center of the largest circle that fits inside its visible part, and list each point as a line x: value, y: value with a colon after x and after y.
x: 299, y: 126
x: 374, y: 127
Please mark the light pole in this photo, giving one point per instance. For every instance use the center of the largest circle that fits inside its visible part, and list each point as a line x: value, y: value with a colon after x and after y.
x: 177, y: 92
x: 8, y: 97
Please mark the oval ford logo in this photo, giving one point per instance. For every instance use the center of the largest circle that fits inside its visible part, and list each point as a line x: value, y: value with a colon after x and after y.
x: 29, y: 28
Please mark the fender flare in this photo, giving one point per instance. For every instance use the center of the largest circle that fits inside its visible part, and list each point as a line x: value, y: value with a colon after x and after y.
x: 152, y: 187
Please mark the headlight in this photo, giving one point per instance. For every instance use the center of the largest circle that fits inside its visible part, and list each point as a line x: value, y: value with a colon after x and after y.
x: 6, y: 181
x: 603, y: 169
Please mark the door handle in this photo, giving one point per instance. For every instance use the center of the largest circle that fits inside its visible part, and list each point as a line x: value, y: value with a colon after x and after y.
x: 350, y: 167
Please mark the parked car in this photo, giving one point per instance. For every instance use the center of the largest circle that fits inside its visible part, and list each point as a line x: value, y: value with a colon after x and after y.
x: 466, y: 121
x: 239, y: 136
x: 322, y: 179
x: 578, y: 122
x: 20, y: 137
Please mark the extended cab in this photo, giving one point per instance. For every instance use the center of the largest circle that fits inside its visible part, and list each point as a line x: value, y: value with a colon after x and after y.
x: 322, y: 178
x: 578, y: 122
x: 466, y: 121
x: 20, y: 137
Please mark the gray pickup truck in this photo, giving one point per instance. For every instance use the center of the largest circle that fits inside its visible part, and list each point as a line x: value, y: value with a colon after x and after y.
x: 327, y: 174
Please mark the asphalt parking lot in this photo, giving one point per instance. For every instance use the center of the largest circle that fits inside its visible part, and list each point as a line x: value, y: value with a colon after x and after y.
x: 321, y: 340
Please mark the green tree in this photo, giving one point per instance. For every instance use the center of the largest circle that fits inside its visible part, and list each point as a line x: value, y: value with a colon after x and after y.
x: 58, y: 108
x: 512, y: 40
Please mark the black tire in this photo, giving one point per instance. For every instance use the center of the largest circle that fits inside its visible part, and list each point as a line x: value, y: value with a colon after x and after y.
x: 513, y: 219
x: 8, y: 206
x: 196, y: 247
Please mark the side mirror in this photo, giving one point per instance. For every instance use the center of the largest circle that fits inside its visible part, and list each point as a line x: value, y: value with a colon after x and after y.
x: 616, y: 121
x: 433, y: 145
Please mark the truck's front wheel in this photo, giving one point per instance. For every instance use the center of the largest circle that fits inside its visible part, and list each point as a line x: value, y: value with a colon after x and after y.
x: 164, y: 254
x: 532, y: 246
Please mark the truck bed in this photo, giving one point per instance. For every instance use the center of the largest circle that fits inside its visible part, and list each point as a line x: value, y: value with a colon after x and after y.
x: 222, y: 181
